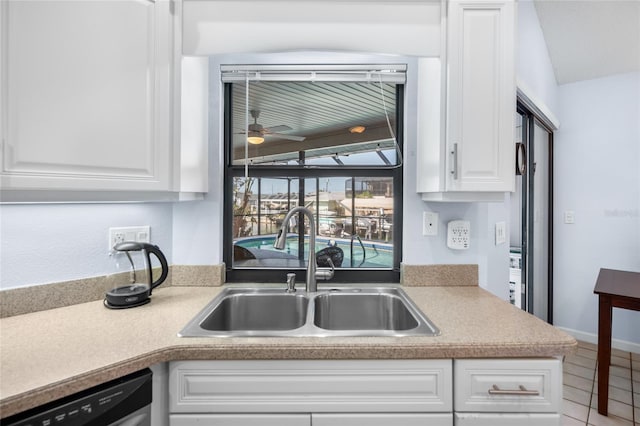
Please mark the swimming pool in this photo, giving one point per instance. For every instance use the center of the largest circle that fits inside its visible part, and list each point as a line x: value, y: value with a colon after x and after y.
x: 357, y: 253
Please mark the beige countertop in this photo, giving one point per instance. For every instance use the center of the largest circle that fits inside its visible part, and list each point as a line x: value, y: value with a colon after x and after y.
x: 50, y: 354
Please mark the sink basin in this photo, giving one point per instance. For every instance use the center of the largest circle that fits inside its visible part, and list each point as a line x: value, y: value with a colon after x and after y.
x: 355, y: 311
x: 335, y: 311
x: 254, y: 311
x: 249, y: 312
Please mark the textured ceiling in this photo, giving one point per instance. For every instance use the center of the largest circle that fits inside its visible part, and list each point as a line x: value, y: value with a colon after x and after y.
x: 591, y: 38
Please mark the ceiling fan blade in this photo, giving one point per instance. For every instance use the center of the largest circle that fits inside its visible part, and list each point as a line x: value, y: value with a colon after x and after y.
x: 288, y: 137
x: 276, y: 129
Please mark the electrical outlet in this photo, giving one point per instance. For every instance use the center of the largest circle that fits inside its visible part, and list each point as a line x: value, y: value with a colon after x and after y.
x: 501, y: 233
x: 458, y: 234
x: 429, y: 223
x: 140, y: 234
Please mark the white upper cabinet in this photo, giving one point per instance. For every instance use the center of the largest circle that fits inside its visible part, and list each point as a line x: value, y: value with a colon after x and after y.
x: 467, y: 105
x: 88, y: 97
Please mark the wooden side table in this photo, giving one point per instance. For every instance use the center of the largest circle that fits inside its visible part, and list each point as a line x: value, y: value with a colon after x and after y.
x: 615, y: 289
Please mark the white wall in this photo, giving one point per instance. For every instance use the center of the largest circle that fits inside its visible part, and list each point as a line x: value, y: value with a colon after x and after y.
x: 48, y: 243
x: 597, y: 175
x: 536, y: 78
x: 533, y: 66
x: 493, y: 261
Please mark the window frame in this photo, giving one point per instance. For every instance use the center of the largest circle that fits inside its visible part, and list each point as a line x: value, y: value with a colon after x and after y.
x: 343, y: 275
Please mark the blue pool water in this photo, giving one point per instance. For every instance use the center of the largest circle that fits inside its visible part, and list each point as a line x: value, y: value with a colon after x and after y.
x: 375, y: 255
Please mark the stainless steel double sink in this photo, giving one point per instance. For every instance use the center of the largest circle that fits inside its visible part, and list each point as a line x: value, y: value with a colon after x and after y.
x: 335, y: 311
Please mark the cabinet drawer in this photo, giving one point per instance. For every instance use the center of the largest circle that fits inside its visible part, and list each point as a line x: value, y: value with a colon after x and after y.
x: 311, y: 386
x: 508, y: 385
x: 379, y: 419
x: 240, y: 420
x: 533, y: 419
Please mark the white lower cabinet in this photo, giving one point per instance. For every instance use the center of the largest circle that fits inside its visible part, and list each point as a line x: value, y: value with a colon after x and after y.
x: 240, y: 420
x: 382, y: 419
x: 445, y: 392
x: 328, y: 419
x: 507, y: 391
x: 494, y: 419
x: 340, y: 392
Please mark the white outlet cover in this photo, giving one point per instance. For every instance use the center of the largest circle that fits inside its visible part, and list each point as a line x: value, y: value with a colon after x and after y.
x: 429, y: 223
x: 140, y: 234
x: 458, y: 234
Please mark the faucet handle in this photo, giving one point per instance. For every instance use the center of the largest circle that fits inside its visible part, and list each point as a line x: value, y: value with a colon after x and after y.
x: 291, y: 283
x: 325, y: 274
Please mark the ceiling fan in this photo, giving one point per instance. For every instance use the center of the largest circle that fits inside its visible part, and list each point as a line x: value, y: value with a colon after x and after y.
x: 256, y: 132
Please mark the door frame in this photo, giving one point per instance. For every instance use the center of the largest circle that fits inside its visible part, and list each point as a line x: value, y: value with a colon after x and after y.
x: 530, y: 118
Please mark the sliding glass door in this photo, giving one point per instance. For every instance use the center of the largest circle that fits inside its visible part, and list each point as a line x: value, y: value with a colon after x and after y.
x: 531, y: 217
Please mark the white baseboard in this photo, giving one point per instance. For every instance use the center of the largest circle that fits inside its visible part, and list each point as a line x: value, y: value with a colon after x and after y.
x: 623, y: 345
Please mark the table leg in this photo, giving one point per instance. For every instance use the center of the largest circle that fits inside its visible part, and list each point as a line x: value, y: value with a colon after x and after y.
x: 604, y: 352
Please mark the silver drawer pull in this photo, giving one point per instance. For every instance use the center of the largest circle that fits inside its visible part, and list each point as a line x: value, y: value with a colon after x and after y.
x: 495, y: 390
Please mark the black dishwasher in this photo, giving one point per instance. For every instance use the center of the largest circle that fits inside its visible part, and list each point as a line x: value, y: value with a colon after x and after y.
x: 123, y: 401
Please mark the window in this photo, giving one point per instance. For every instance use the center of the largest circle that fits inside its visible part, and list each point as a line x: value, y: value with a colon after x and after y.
x: 330, y: 144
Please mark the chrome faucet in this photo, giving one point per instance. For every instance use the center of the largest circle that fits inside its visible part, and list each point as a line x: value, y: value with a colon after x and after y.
x: 281, y: 238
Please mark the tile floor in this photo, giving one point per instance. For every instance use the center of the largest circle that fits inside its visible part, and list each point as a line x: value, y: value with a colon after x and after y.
x: 581, y: 388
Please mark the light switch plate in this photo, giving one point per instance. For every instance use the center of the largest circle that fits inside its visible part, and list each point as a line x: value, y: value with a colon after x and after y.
x: 569, y: 216
x: 501, y: 233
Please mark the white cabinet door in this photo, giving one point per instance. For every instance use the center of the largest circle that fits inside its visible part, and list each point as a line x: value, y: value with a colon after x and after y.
x: 509, y: 385
x: 466, y: 106
x: 86, y: 95
x: 381, y: 419
x: 475, y: 419
x: 240, y: 420
x: 481, y: 95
